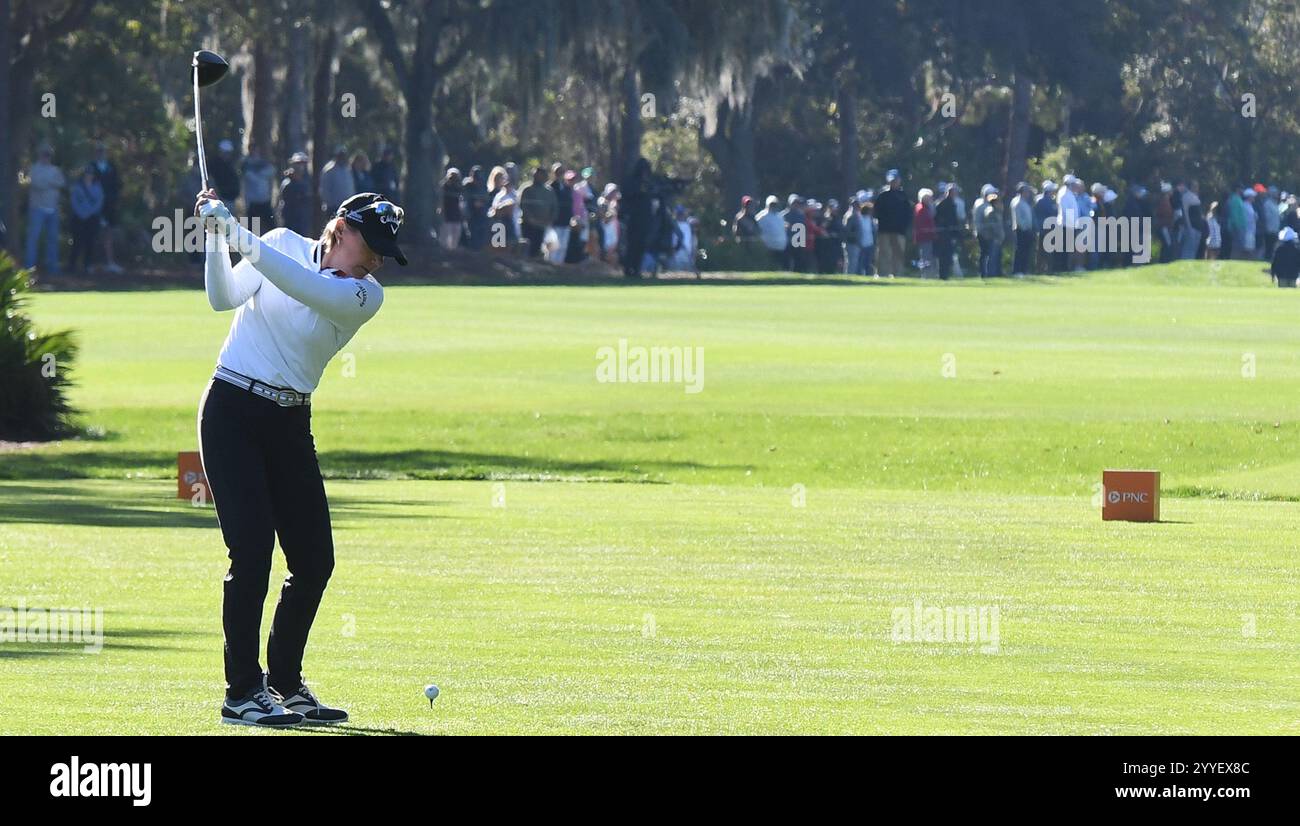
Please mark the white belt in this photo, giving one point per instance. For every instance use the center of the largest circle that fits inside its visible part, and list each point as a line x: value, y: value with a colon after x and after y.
x: 280, y: 395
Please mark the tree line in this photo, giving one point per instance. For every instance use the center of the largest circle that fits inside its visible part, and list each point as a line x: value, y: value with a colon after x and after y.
x: 744, y: 98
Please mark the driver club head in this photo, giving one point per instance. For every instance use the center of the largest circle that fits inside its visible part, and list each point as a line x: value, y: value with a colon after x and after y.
x: 209, y: 67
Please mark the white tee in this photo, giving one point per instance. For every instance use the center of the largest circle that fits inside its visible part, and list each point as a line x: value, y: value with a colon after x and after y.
x: 291, y: 317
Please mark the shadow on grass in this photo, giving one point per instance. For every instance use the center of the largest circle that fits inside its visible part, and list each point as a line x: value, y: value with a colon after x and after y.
x: 114, y: 639
x: 356, y: 731
x: 347, y: 464
x: 69, y: 503
x: 72, y: 504
x: 445, y: 464
x: 43, y: 463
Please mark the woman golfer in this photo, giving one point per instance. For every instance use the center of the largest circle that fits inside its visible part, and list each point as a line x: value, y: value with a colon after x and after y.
x: 297, y: 302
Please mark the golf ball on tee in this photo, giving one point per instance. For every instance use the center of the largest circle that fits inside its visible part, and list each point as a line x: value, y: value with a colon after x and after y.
x: 431, y: 691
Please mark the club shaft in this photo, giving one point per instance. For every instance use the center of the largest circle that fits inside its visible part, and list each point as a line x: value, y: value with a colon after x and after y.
x: 198, y: 134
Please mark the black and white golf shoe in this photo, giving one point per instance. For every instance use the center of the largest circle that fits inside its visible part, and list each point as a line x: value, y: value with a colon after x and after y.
x: 313, y: 711
x: 258, y: 708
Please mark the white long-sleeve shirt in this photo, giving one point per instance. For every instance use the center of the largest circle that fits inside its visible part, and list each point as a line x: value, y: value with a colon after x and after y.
x: 291, y: 317
x: 1074, y: 209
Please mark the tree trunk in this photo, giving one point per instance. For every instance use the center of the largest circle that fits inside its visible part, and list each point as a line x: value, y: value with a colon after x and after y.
x: 1246, y: 150
x: 631, y: 130
x: 7, y: 176
x: 847, y: 108
x: 732, y: 149
x: 294, y: 132
x: 418, y: 188
x: 32, y: 34
x: 327, y: 66
x: 1015, y: 162
x: 22, y: 102
x: 438, y: 161
x: 262, y: 92
x: 616, y: 165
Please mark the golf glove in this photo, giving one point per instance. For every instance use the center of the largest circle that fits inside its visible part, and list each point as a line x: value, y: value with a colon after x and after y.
x: 215, y: 215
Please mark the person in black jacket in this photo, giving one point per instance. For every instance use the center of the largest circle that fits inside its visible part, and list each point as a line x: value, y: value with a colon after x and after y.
x: 1138, y: 211
x: 947, y: 228
x: 1286, y: 259
x: 893, y: 219
x: 1291, y: 213
x: 453, y: 216
x: 476, y: 202
x: 106, y: 170
x: 222, y: 174
x: 562, y: 222
x: 297, y: 203
x: 384, y: 173
x: 636, y: 210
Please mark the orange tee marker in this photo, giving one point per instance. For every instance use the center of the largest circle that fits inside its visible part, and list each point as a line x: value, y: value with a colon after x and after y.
x: 1130, y: 495
x: 189, y: 472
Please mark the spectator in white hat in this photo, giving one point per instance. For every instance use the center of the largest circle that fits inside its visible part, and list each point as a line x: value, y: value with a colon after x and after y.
x: 771, y: 231
x: 1074, y: 211
x: 1022, y: 225
x: 923, y: 231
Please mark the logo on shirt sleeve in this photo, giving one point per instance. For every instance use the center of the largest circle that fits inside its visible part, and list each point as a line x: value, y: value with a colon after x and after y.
x: 361, y: 295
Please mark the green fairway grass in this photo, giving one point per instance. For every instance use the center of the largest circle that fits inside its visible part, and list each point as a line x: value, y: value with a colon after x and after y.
x: 562, y: 555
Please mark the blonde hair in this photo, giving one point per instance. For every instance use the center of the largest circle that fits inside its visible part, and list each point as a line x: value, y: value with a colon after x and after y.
x: 499, y: 170
x: 330, y: 235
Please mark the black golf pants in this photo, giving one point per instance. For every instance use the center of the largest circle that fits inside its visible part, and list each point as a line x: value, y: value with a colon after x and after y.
x: 260, y: 461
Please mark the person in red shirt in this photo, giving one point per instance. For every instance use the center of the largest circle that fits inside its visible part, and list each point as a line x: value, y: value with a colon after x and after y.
x: 813, y: 225
x: 923, y: 230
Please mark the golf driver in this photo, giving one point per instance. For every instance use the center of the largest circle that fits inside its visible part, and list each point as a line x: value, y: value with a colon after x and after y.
x: 206, y: 68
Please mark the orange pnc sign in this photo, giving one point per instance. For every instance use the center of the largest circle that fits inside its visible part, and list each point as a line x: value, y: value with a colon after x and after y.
x: 1130, y: 495
x: 189, y: 472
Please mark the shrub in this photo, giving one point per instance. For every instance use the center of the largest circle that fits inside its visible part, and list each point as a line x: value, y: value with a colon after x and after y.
x: 34, y: 367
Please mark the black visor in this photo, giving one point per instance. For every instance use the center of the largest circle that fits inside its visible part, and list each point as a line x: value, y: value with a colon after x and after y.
x: 378, y: 220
